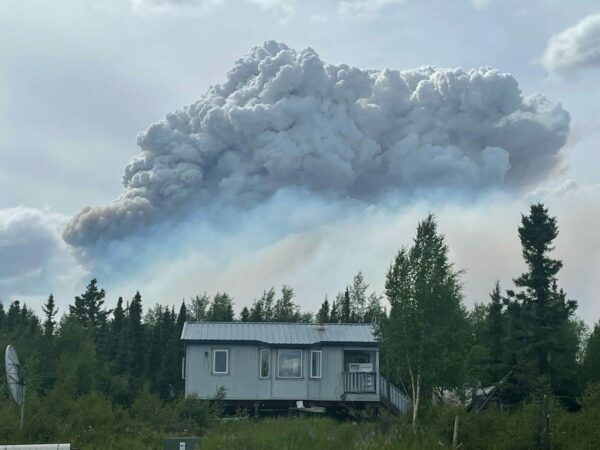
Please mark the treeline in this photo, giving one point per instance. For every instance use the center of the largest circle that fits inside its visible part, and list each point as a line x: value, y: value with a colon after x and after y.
x: 120, y: 351
x: 526, y: 340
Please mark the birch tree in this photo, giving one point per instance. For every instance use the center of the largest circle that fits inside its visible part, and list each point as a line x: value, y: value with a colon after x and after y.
x: 423, y: 339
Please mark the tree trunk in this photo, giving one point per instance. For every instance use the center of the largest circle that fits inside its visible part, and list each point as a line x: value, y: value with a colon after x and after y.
x: 416, y: 397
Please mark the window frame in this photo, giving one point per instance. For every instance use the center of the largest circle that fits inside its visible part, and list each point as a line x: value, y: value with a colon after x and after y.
x: 316, y: 377
x: 279, y: 376
x: 260, y: 360
x: 214, y: 360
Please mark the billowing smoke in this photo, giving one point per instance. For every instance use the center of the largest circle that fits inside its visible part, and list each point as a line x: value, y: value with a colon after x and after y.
x: 285, y: 120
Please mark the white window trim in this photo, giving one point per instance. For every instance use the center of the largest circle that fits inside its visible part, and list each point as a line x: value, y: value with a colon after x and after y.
x: 215, y: 360
x: 301, y: 361
x: 268, y: 351
x: 320, y: 364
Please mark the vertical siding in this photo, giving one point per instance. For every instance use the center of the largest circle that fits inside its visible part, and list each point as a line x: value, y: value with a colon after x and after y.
x: 243, y: 381
x: 292, y: 388
x: 331, y: 383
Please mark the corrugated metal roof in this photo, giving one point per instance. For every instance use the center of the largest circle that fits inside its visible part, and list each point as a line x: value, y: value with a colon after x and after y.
x: 278, y: 333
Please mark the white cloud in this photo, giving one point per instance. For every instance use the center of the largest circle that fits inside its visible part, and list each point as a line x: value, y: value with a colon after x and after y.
x: 481, y: 4
x: 34, y: 259
x: 203, y: 7
x: 577, y: 47
x: 365, y: 8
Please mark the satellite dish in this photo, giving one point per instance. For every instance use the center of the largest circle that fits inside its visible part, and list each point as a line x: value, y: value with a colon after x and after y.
x: 16, y: 376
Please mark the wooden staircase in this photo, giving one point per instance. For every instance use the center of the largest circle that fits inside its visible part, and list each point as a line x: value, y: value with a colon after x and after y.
x: 393, y: 398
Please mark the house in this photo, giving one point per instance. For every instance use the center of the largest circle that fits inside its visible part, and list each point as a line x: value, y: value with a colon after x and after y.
x: 268, y: 364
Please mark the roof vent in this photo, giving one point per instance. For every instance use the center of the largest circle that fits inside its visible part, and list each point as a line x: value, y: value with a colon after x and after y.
x: 320, y: 327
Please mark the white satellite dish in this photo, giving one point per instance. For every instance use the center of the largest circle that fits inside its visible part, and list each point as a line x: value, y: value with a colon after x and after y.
x: 16, y: 377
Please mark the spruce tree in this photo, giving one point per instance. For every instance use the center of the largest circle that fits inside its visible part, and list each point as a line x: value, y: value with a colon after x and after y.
x: 591, y: 358
x: 539, y: 313
x: 88, y: 308
x: 334, y: 316
x: 50, y: 311
x: 346, y: 313
x: 116, y: 325
x: 245, y: 314
x: 495, y: 335
x: 256, y: 313
x: 136, y: 339
x: 323, y: 314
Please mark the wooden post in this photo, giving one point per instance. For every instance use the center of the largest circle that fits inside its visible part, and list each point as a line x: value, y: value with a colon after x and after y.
x: 545, y: 437
x: 256, y: 409
x: 455, y: 433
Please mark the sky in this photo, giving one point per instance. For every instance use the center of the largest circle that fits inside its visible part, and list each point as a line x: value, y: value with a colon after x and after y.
x: 81, y: 83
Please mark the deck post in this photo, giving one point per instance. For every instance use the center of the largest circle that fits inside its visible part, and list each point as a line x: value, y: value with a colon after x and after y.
x: 256, y: 409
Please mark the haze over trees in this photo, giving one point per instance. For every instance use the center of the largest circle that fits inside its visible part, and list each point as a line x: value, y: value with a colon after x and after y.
x: 128, y: 358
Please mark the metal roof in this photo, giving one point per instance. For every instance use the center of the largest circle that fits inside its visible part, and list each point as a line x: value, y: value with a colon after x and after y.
x: 278, y: 333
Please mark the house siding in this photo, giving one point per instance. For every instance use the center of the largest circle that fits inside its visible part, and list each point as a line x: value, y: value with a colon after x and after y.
x: 243, y: 381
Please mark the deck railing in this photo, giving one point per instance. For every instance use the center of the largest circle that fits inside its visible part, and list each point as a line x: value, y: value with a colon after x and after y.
x: 394, y: 396
x: 360, y: 382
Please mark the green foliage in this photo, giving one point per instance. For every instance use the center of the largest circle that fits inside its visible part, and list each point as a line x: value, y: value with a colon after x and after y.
x: 323, y: 313
x: 541, y: 339
x: 424, y: 339
x: 221, y: 308
x: 111, y: 379
x: 591, y: 361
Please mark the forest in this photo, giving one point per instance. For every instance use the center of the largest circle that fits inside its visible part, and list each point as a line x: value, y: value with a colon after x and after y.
x: 105, y: 377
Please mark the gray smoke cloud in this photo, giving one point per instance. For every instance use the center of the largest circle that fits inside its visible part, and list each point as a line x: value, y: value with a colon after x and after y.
x: 287, y: 120
x: 575, y: 48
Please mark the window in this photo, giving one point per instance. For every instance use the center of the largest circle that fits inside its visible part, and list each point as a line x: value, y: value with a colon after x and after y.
x: 265, y: 363
x: 220, y: 361
x: 289, y: 363
x: 315, y: 363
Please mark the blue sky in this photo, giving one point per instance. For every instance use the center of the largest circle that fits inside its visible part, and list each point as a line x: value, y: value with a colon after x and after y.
x: 79, y: 80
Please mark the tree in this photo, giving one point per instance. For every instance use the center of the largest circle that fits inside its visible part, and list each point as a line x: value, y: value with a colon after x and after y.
x: 285, y: 310
x: 50, y: 311
x: 424, y: 336
x: 116, y: 326
x: 199, y: 306
x: 346, y: 306
x: 88, y: 308
x: 374, y: 313
x: 591, y: 359
x: 323, y: 314
x: 334, y: 316
x: 245, y: 314
x: 136, y: 338
x: 541, y: 336
x: 262, y: 309
x: 221, y: 308
x: 256, y: 313
x: 494, y: 337
x: 358, y: 298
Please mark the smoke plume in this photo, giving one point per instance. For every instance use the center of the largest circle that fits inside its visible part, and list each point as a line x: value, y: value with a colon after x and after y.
x: 285, y: 120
